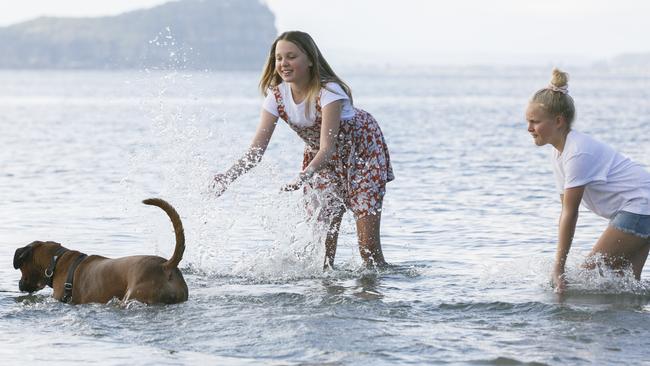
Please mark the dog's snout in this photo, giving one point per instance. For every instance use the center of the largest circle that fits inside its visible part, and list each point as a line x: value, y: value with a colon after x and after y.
x: 27, y: 287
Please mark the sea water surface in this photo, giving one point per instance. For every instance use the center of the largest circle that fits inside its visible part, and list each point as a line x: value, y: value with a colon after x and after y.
x: 469, y: 224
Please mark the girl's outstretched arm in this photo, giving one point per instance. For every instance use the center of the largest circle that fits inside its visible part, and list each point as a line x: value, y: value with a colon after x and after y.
x: 567, y: 226
x: 252, y: 156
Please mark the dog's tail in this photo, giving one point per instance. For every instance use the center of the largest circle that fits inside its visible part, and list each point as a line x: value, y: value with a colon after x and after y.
x: 178, y: 230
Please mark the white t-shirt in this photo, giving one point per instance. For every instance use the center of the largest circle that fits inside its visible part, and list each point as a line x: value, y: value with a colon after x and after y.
x: 612, y: 181
x: 296, y: 112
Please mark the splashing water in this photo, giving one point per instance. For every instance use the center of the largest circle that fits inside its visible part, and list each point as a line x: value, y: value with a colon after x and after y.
x: 183, y: 142
x: 601, y: 278
x: 584, y: 275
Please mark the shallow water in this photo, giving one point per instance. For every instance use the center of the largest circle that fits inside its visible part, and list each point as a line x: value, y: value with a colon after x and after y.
x: 468, y: 225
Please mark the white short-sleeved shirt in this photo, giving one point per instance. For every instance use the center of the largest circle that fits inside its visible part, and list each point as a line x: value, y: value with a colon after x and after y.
x: 612, y: 181
x: 296, y: 112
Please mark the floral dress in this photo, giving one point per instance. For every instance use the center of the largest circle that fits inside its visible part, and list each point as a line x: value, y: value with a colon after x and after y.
x: 360, y: 167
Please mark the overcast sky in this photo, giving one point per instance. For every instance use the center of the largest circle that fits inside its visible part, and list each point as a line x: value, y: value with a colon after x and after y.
x: 428, y: 31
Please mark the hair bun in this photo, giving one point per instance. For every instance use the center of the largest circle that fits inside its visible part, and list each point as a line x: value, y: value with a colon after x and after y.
x: 559, y: 79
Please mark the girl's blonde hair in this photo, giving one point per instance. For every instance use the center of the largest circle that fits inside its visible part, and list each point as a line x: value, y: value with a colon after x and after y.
x: 320, y: 73
x: 555, y: 98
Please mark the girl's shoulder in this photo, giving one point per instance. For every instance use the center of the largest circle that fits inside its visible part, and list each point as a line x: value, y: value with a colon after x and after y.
x: 583, y: 140
x: 333, y: 88
x: 579, y: 142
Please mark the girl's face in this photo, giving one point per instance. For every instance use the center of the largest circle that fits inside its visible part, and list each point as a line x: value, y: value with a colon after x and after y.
x: 291, y: 63
x: 544, y: 128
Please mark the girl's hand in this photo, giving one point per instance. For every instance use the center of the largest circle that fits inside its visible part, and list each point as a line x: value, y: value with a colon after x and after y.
x: 220, y: 184
x: 298, y: 183
x: 559, y: 282
x: 294, y: 186
x: 291, y: 187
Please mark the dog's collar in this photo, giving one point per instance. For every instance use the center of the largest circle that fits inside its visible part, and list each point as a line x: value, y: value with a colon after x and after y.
x: 49, y: 271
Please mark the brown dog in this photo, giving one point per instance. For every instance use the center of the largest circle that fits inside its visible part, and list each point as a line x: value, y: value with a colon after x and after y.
x: 78, y: 279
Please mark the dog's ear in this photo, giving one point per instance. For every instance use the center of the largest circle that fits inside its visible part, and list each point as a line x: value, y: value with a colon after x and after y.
x: 21, y: 255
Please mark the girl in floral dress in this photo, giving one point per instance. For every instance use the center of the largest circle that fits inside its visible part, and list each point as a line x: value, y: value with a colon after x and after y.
x: 346, y: 162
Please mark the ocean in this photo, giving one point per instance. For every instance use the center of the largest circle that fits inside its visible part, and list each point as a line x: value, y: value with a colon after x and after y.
x: 469, y: 225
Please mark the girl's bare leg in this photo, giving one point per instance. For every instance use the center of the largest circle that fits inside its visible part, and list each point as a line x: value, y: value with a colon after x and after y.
x: 332, y: 239
x: 369, y: 240
x: 620, y: 249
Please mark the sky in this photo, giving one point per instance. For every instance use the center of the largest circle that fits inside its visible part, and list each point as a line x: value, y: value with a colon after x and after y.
x: 429, y: 31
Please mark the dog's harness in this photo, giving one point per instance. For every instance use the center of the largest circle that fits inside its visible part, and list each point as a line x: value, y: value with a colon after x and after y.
x: 67, y: 286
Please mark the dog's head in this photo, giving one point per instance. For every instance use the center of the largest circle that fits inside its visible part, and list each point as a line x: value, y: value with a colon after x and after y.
x: 33, y: 260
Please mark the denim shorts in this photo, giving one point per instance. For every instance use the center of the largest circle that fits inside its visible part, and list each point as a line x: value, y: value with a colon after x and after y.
x: 632, y: 223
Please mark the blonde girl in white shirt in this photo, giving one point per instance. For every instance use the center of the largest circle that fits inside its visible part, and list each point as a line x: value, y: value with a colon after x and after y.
x: 590, y: 172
